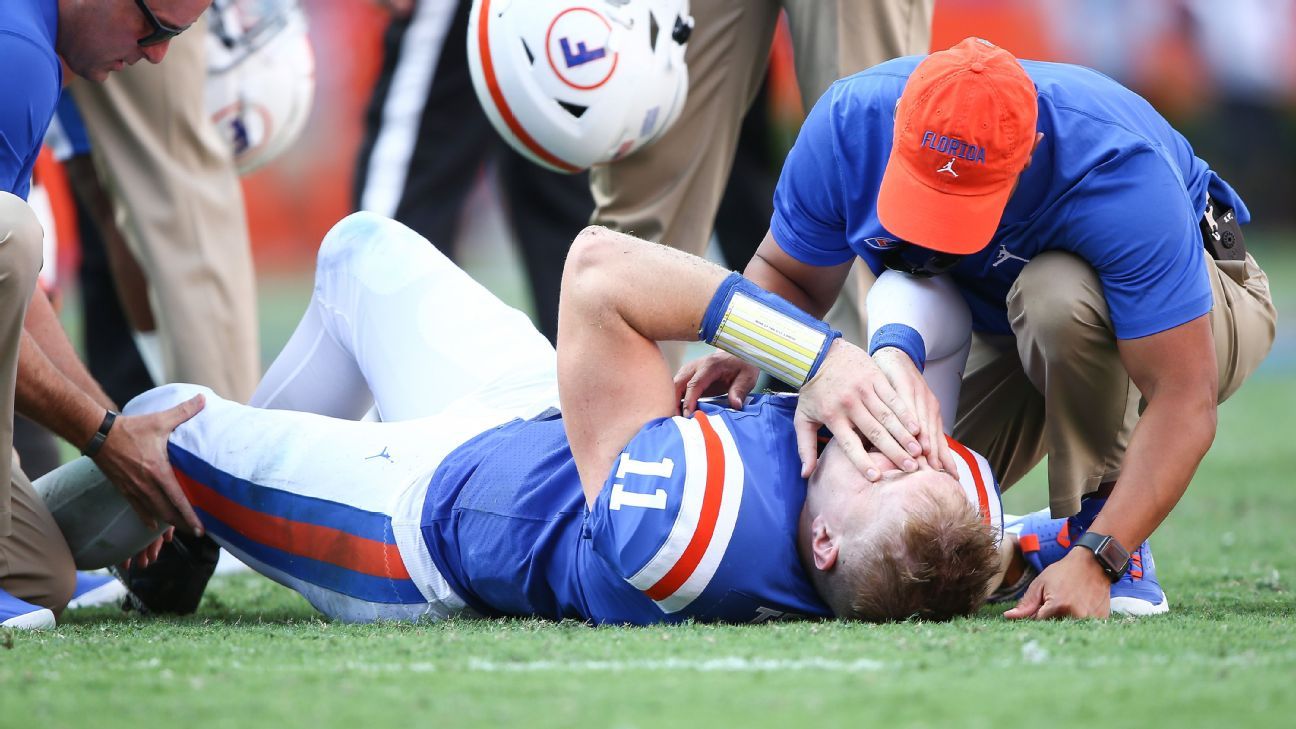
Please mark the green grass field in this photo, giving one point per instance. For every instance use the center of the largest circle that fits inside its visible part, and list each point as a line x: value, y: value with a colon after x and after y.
x: 257, y: 655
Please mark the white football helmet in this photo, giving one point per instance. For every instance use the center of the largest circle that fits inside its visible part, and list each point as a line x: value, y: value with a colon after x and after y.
x: 260, y: 77
x: 575, y: 84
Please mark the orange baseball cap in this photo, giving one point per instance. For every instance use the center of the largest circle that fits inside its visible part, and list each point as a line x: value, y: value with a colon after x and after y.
x: 964, y: 130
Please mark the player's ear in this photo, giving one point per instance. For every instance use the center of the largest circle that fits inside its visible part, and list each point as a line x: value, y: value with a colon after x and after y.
x: 823, y: 544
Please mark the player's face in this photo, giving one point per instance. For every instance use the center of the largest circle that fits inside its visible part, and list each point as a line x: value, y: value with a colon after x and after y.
x: 837, y: 487
x: 97, y: 37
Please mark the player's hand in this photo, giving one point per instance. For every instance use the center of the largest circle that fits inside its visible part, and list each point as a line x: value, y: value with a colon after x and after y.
x: 909, y: 384
x: 398, y: 8
x: 1073, y: 587
x: 149, y: 554
x: 134, y: 458
x: 716, y: 373
x: 852, y: 397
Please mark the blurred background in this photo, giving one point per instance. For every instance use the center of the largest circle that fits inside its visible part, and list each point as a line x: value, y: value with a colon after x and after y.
x: 1224, y: 73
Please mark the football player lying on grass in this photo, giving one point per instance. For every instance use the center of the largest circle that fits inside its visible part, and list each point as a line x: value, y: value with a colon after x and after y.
x: 475, y: 497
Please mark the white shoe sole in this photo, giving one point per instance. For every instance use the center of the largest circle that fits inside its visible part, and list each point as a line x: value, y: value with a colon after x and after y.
x: 35, y: 620
x: 107, y: 593
x: 1136, y: 608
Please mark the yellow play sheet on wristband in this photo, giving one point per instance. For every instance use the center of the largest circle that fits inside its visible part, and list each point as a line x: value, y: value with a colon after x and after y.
x: 769, y: 339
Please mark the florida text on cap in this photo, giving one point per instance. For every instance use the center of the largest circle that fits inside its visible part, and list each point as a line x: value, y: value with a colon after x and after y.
x: 964, y: 130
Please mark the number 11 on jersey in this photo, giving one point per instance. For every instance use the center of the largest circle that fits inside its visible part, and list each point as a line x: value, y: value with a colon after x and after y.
x: 656, y: 500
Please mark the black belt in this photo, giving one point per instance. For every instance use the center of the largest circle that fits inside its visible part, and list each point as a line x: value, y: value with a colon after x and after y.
x: 1221, y: 232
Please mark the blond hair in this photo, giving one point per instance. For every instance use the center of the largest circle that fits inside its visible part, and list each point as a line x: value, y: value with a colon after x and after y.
x: 933, y: 564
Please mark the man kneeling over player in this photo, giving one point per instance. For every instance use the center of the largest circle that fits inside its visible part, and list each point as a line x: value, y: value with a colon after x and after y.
x: 481, y: 499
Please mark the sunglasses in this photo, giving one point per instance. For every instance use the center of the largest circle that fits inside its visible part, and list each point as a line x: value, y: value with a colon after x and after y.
x: 933, y: 263
x: 161, y: 31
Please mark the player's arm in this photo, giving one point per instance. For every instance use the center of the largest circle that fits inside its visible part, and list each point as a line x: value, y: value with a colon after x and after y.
x: 620, y: 296
x: 813, y: 289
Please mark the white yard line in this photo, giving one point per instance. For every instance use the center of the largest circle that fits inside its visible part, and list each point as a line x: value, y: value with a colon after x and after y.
x: 731, y: 664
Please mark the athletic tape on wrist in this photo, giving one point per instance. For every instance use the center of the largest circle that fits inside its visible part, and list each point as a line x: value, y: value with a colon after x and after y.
x: 766, y: 330
x: 904, y: 338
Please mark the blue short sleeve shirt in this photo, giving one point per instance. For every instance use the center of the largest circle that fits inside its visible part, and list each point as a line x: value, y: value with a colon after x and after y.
x: 29, y: 85
x: 1111, y: 182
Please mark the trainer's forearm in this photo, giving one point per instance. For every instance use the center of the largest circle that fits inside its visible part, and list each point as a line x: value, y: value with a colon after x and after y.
x: 46, y: 331
x: 1165, y: 449
x: 48, y: 397
x: 765, y: 275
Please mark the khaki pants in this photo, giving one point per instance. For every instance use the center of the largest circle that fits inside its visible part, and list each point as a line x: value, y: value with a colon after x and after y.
x: 180, y: 208
x: 1057, y: 386
x: 35, y: 562
x: 669, y: 191
x: 20, y: 261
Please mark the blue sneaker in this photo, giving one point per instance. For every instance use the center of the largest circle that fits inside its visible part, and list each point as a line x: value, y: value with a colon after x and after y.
x: 96, y: 588
x: 1044, y: 540
x: 1139, y: 592
x: 15, y: 613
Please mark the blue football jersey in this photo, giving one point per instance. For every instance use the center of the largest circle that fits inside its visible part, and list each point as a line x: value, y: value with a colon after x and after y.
x: 700, y: 515
x: 697, y: 520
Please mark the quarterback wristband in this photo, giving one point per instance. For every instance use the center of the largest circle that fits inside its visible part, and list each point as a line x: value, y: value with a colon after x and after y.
x: 766, y: 330
x: 904, y: 338
x: 101, y: 435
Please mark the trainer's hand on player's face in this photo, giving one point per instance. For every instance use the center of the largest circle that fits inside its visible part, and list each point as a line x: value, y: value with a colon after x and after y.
x: 713, y: 374
x: 134, y: 457
x: 1073, y: 587
x: 852, y: 397
x: 909, y: 384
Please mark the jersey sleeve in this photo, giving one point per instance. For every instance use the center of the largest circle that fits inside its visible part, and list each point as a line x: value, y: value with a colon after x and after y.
x: 979, y: 485
x: 30, y: 88
x: 668, y: 510
x: 809, y: 221
x: 1135, y: 225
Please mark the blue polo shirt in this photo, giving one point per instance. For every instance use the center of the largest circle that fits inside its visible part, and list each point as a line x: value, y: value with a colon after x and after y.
x: 30, y: 83
x: 1111, y: 182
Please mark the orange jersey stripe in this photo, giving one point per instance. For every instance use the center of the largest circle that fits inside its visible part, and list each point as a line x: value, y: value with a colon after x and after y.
x: 983, y: 497
x: 707, y: 518
x: 320, y: 543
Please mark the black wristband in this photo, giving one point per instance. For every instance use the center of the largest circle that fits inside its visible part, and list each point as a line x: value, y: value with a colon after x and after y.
x: 96, y: 442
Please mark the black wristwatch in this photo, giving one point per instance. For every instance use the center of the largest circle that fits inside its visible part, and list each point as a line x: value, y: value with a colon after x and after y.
x: 1111, y: 556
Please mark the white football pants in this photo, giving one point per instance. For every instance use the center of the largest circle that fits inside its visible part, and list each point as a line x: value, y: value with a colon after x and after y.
x: 332, y: 507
